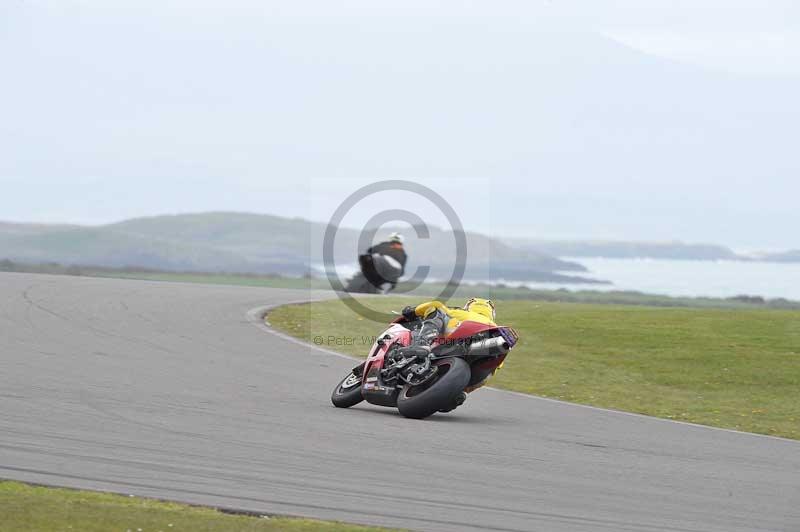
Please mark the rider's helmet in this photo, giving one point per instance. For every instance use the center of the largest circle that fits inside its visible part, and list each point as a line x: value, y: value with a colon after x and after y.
x: 481, y: 306
x: 396, y: 237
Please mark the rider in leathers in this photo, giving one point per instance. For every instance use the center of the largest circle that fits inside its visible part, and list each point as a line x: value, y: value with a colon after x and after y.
x: 392, y: 248
x: 441, y: 320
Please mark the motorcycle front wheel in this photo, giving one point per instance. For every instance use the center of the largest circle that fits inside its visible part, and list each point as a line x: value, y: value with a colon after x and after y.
x: 423, y: 400
x: 348, y: 392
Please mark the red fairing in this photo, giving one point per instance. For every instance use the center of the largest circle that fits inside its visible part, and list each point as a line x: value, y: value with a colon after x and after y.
x: 470, y: 328
x: 397, y: 335
x: 491, y: 364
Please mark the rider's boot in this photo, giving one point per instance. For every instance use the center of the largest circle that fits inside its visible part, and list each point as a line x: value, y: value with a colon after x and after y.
x: 422, y: 340
x: 458, y: 401
x: 419, y: 351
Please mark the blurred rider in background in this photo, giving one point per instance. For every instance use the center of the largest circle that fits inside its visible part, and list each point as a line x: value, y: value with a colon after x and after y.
x: 391, y: 266
x: 392, y: 248
x: 380, y: 267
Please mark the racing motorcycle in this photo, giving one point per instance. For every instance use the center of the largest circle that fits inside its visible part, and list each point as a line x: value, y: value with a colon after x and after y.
x: 419, y: 387
x: 379, y: 274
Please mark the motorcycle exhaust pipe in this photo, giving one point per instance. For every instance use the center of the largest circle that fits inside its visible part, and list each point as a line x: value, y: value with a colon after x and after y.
x: 489, y: 347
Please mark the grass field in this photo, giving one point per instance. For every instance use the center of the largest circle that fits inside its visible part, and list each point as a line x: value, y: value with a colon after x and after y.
x: 731, y: 368
x: 26, y: 508
x: 432, y: 289
x: 466, y: 290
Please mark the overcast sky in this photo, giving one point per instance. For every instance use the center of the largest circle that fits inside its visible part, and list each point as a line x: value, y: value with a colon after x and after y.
x: 597, y: 119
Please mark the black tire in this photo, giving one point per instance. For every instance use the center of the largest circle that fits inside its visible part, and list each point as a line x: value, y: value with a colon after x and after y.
x: 345, y: 396
x: 419, y: 402
x: 360, y: 285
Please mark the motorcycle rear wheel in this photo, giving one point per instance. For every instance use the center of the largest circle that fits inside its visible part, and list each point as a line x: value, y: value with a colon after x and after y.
x: 348, y: 392
x: 418, y: 402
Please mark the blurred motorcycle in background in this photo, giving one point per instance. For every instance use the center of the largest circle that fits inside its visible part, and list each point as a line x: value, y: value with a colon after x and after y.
x: 379, y: 274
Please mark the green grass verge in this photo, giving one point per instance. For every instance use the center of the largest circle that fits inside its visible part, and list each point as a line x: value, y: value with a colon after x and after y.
x: 465, y: 290
x: 38, y: 509
x: 738, y: 369
x: 501, y: 291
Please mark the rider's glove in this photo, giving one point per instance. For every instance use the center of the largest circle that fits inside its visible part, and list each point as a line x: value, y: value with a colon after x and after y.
x: 410, y: 313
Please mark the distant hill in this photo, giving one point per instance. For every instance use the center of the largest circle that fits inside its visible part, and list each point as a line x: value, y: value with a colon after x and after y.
x: 628, y: 250
x: 257, y: 243
x: 785, y: 256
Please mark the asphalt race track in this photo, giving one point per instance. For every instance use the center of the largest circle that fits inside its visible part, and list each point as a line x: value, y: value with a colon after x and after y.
x: 169, y: 390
